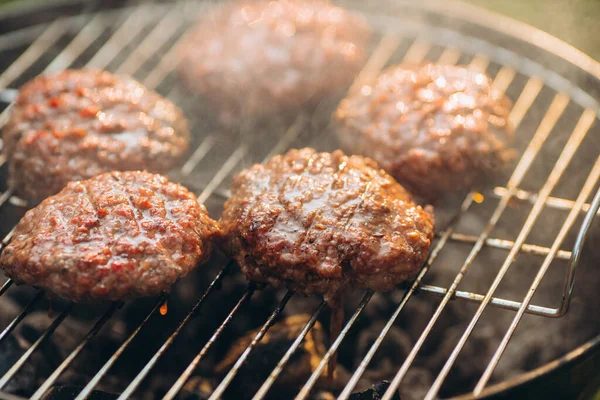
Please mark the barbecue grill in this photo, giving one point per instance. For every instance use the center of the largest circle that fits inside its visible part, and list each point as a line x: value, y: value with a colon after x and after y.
x: 541, y: 211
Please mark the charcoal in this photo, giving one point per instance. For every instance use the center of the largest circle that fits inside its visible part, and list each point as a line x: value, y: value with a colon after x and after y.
x: 375, y: 392
x: 23, y: 382
x: 478, y: 350
x: 395, y: 347
x: 69, y: 392
x: 54, y: 350
x: 416, y: 383
x: 9, y: 308
x: 270, y: 350
x: 323, y: 395
x: 197, y: 388
x: 40, y: 363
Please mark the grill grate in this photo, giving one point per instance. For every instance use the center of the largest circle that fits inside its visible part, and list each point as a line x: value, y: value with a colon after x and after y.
x: 142, y: 41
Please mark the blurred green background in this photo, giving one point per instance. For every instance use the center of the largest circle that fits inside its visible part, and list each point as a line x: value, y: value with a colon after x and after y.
x: 574, y: 21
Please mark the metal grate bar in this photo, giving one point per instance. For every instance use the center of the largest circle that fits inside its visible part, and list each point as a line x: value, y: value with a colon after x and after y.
x: 54, y: 31
x: 413, y: 288
x: 548, y: 122
x: 17, y: 366
x: 6, y: 331
x: 78, y: 45
x: 7, y: 96
x: 103, y: 57
x: 382, y: 53
x: 528, y: 95
x: 183, y: 378
x: 417, y: 52
x: 388, y: 45
x: 579, y: 133
x: 478, y: 298
x: 125, y: 34
x: 577, y: 250
x: 450, y: 56
x: 65, y: 364
x: 96, y: 379
x: 3, y: 120
x: 8, y: 396
x: 7, y: 238
x: 5, y: 286
x: 222, y: 173
x: 508, y: 244
x: 90, y: 33
x: 384, y: 50
x: 503, y: 79
x: 416, y: 285
x: 22, y: 36
x: 216, y: 395
x: 162, y: 32
x: 568, y: 224
x: 67, y: 55
x: 262, y: 392
x: 423, y: 53
x: 333, y: 348
x: 479, y: 63
x: 162, y: 69
x: 225, y: 169
x: 5, y: 196
x: 166, y: 65
x: 198, y: 154
x: 150, y: 364
x: 552, y: 202
x: 288, y: 137
x: 366, y: 360
x: 170, y: 60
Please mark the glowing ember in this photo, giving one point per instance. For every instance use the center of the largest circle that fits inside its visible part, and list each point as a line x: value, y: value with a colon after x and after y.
x: 478, y: 198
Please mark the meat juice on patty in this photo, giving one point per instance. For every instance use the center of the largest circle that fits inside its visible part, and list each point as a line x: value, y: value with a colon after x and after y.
x: 436, y: 129
x: 117, y: 236
x: 75, y: 124
x: 256, y: 58
x: 317, y: 222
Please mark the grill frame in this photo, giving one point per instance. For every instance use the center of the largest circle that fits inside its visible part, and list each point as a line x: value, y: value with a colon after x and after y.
x: 516, y: 29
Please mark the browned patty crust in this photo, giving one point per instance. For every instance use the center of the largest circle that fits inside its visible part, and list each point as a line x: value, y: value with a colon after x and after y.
x: 75, y: 124
x: 117, y: 236
x: 434, y: 128
x: 318, y: 221
x: 255, y: 58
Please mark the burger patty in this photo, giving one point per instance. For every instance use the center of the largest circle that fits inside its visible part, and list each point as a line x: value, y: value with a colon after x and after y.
x: 255, y: 58
x: 316, y: 222
x: 117, y: 236
x: 434, y: 128
x: 78, y: 123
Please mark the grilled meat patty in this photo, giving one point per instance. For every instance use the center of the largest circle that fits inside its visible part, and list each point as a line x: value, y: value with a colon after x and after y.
x: 78, y: 123
x: 255, y: 58
x: 117, y: 236
x: 318, y: 221
x: 434, y: 128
